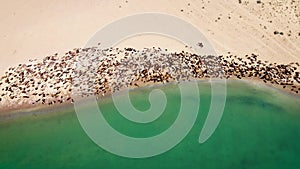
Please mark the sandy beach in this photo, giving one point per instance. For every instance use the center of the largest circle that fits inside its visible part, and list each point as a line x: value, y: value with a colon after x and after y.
x: 33, y: 30
x: 150, y: 84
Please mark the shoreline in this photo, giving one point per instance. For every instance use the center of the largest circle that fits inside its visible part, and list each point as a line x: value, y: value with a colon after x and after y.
x: 57, y: 80
x: 27, y: 110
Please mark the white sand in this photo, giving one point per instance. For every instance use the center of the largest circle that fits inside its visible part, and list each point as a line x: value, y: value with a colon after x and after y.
x: 33, y: 29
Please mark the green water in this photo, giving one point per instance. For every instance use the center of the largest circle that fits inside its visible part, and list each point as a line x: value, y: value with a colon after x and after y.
x: 260, y: 128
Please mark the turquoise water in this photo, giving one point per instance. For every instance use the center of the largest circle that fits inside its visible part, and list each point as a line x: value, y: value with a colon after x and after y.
x: 260, y: 128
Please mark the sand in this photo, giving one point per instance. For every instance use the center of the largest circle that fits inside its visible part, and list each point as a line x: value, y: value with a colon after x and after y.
x: 34, y: 29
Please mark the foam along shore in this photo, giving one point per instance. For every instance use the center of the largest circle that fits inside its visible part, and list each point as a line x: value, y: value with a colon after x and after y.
x: 91, y: 71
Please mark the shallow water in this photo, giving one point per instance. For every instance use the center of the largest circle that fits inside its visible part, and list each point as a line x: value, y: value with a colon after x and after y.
x: 260, y: 128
